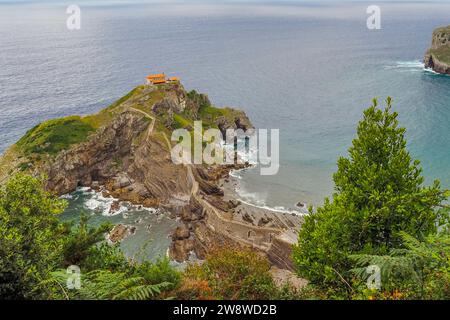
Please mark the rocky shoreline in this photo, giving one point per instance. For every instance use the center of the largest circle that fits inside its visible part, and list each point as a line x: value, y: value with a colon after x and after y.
x: 128, y: 158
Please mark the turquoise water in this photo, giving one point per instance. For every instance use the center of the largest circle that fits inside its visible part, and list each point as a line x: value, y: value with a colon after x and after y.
x: 151, y: 238
x: 307, y: 69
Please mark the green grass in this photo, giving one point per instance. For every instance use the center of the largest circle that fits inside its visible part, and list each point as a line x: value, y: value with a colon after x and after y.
x: 130, y: 94
x: 52, y: 136
x: 152, y: 98
x: 24, y: 166
x: 98, y: 120
x: 106, y: 115
x: 210, y: 112
x: 181, y: 122
x: 442, y: 54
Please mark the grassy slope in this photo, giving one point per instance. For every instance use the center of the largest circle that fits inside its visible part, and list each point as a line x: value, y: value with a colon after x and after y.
x: 50, y: 137
x: 442, y: 54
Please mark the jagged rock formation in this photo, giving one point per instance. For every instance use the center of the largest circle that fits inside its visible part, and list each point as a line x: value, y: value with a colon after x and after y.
x: 438, y: 56
x: 124, y: 150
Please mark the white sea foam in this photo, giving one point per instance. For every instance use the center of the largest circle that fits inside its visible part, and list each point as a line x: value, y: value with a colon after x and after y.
x: 415, y: 64
x: 99, y: 203
x: 257, y: 200
x: 279, y: 209
x: 96, y: 202
x: 68, y: 196
x: 411, y: 66
x: 250, y: 156
x: 235, y: 174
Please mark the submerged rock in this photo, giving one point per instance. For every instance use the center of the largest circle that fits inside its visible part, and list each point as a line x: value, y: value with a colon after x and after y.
x: 301, y: 204
x: 115, y: 206
x: 120, y: 232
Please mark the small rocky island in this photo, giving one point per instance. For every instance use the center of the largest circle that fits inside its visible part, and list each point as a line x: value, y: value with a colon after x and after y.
x: 124, y: 152
x: 437, y: 57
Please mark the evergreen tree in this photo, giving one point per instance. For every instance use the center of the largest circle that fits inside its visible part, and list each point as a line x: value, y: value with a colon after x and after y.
x: 379, y: 192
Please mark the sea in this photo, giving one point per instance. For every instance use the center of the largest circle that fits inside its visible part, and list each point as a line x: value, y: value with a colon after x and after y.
x: 308, y: 69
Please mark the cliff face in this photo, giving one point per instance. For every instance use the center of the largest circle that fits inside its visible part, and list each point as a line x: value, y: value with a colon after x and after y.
x: 124, y: 147
x: 124, y: 151
x: 133, y: 164
x: 438, y: 56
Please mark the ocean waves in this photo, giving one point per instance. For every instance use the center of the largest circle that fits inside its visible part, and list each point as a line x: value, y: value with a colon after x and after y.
x: 410, y: 66
x: 95, y: 202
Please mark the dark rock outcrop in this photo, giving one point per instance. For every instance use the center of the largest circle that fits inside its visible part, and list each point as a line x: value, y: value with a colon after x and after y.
x: 120, y: 232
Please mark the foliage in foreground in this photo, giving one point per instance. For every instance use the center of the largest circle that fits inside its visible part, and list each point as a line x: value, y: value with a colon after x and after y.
x: 379, y: 194
x: 232, y: 273
x: 30, y: 236
x: 420, y: 270
x: 381, y: 214
x: 103, y: 284
x: 35, y: 249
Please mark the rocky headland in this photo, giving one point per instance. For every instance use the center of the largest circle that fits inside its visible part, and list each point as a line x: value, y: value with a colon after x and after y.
x: 124, y: 152
x: 437, y: 57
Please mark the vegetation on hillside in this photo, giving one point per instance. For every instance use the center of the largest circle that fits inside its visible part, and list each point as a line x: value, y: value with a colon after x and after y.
x: 442, y: 54
x: 30, y: 236
x: 52, y: 136
x: 229, y: 273
x: 418, y: 270
x: 380, y: 214
x: 36, y: 248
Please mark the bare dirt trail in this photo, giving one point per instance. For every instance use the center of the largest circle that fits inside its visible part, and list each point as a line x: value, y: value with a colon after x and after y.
x: 151, y: 127
x: 152, y: 124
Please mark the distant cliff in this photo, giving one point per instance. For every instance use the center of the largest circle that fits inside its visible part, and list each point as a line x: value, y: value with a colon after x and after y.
x: 438, y: 56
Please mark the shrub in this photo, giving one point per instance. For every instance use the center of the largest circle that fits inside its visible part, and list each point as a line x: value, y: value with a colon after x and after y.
x: 30, y: 236
x: 160, y: 271
x: 81, y: 241
x: 231, y: 273
x: 420, y: 270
